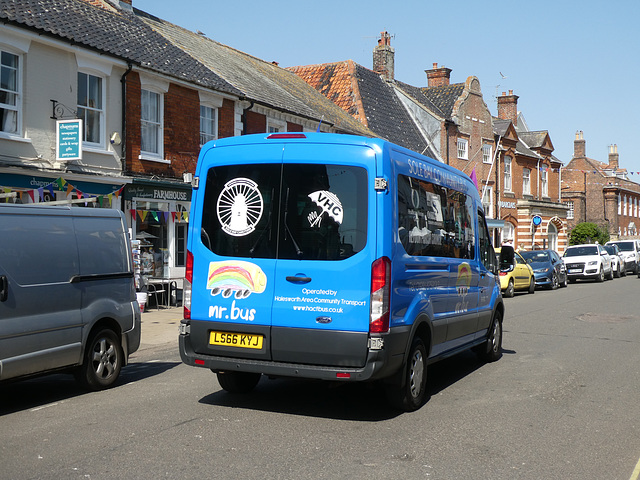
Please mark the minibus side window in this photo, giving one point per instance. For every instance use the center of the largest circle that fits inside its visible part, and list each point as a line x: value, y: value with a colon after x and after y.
x: 434, y: 220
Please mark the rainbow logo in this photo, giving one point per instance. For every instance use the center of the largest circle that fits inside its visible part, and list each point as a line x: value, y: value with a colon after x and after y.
x: 463, y: 282
x: 237, y: 278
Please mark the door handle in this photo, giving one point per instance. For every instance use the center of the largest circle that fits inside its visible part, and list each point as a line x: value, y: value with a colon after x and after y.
x: 298, y: 279
x: 4, y: 288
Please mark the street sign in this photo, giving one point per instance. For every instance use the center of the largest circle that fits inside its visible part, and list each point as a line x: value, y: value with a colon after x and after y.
x: 537, y: 220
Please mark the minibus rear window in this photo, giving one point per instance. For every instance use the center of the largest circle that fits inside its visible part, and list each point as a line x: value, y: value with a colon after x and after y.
x: 290, y: 211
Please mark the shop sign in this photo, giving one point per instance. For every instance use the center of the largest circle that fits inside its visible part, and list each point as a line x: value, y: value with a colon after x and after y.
x: 157, y: 193
x: 507, y: 204
x: 69, y: 139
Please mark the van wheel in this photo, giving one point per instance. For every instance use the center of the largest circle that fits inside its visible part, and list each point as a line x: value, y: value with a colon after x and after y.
x: 238, y: 382
x: 510, y: 289
x: 491, y: 350
x: 412, y: 394
x: 103, y: 360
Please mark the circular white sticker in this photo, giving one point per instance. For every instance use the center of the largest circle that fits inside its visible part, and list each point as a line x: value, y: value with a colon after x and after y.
x: 240, y: 207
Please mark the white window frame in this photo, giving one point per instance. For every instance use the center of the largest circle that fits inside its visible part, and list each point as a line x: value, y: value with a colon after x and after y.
x: 487, y: 200
x: 18, y: 107
x: 157, y: 123
x: 508, y: 177
x: 508, y: 233
x: 100, y: 111
x: 552, y: 236
x: 487, y: 153
x: 463, y: 148
x: 624, y: 205
x: 619, y: 205
x: 210, y: 121
x: 544, y: 184
x: 276, y: 126
x: 570, y: 212
x: 526, y: 181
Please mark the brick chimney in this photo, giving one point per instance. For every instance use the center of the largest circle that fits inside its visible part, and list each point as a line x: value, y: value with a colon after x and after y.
x: 579, y: 146
x: 613, y: 157
x: 383, y: 57
x: 508, y: 107
x: 438, y: 76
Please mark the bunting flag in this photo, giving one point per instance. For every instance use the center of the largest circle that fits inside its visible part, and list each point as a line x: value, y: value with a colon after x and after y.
x: 61, y: 185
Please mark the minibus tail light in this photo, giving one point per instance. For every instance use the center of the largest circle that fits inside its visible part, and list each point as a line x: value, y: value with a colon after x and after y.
x: 380, y: 288
x: 186, y: 290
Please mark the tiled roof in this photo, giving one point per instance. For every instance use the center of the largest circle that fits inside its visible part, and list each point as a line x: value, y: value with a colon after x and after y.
x: 500, y: 126
x: 534, y: 139
x: 418, y: 94
x: 365, y: 95
x: 444, y: 97
x: 118, y: 33
x: 259, y: 81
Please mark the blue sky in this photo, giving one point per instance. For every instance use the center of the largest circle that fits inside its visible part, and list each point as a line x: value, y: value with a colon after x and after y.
x: 574, y: 65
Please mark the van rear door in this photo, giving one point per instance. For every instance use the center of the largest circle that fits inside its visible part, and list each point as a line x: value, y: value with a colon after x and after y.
x: 235, y: 255
x: 325, y: 252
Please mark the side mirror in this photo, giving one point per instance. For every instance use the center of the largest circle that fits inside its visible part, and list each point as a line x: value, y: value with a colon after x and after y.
x: 507, y: 259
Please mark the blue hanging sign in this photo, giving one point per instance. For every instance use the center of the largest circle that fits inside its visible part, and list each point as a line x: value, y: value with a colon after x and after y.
x: 69, y: 139
x: 537, y: 220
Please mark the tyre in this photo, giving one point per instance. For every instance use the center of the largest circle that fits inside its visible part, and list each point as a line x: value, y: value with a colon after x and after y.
x: 610, y: 276
x: 554, y: 282
x: 532, y: 285
x: 410, y: 393
x: 564, y: 282
x: 238, y: 382
x: 510, y: 289
x: 600, y: 277
x: 617, y: 273
x: 491, y: 350
x: 103, y: 361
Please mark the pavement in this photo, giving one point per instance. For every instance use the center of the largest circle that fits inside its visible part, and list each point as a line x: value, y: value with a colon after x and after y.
x: 160, y: 326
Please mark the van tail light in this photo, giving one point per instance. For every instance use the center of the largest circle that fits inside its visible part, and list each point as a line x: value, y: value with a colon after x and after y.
x: 380, y: 288
x: 186, y: 288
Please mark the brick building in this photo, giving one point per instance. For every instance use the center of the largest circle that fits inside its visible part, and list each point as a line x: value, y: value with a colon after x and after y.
x: 600, y: 192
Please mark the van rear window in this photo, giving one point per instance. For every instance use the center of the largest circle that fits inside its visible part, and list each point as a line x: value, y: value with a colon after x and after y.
x: 290, y: 211
x: 434, y: 220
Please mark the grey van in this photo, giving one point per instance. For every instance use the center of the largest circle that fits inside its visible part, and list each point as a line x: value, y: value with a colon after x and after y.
x: 67, y: 294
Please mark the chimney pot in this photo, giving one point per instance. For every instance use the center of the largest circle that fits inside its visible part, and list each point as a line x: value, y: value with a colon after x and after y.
x: 383, y: 57
x: 579, y: 146
x: 438, y: 76
x: 508, y: 107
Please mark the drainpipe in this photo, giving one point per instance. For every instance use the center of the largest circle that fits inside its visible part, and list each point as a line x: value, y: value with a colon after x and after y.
x: 123, y: 81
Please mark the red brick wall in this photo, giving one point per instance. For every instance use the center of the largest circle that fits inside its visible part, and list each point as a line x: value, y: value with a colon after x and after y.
x: 293, y: 127
x: 256, y: 122
x: 132, y: 138
x: 226, y: 119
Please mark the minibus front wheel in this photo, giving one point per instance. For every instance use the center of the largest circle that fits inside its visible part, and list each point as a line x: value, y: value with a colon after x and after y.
x: 411, y: 392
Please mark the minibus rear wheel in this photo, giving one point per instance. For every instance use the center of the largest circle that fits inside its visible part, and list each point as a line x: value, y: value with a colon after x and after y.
x: 411, y: 393
x: 238, y: 382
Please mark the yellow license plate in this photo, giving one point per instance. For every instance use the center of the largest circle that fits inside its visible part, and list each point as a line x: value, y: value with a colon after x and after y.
x: 241, y: 340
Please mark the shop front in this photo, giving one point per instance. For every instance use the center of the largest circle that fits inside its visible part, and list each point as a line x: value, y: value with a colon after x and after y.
x: 158, y: 214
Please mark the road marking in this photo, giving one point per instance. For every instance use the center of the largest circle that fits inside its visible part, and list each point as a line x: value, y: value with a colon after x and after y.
x: 43, y: 406
x: 636, y: 472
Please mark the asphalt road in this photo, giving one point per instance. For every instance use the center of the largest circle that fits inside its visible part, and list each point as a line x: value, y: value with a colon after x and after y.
x: 562, y: 403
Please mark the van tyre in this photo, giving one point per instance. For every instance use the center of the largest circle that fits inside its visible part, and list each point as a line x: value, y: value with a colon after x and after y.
x: 103, y: 361
x: 411, y: 394
x: 491, y: 350
x: 238, y: 382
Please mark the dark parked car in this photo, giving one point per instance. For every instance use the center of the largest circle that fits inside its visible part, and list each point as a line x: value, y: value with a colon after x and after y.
x: 548, y: 268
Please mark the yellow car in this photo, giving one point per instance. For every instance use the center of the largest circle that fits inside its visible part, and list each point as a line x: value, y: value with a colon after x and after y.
x: 515, y: 273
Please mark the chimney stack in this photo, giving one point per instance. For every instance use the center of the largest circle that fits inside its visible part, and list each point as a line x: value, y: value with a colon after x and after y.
x: 613, y: 157
x: 508, y: 107
x: 438, y: 76
x: 383, y: 57
x: 579, y: 146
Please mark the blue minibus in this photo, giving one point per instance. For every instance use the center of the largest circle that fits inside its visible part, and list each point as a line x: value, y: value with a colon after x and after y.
x: 335, y: 257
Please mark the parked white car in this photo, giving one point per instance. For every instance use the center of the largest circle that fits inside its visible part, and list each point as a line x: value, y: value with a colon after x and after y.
x: 587, y: 262
x: 631, y: 251
x: 617, y: 259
